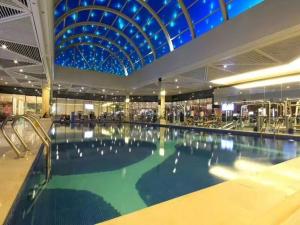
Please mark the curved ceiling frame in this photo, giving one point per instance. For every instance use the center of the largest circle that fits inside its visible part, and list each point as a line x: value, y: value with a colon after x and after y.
x: 188, y: 18
x: 98, y: 46
x: 121, y: 49
x: 159, y: 21
x: 113, y: 11
x: 98, y: 24
x: 156, y: 17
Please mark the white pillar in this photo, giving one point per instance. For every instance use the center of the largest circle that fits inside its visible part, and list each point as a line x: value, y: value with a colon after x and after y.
x: 162, y: 107
x: 46, y: 93
x: 126, y: 110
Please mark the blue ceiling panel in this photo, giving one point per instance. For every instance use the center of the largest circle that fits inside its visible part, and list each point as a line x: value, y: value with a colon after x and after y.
x: 121, y: 36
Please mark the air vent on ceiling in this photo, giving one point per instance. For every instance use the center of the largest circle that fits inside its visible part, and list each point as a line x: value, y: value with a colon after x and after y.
x: 38, y: 76
x: 248, y: 58
x: 7, y: 12
x: 24, y: 2
x: 25, y: 50
x: 10, y: 4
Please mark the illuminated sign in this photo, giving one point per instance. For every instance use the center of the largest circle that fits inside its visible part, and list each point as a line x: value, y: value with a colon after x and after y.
x: 228, y: 107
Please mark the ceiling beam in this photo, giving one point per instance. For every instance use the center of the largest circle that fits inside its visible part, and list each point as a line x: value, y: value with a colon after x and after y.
x: 159, y: 21
x: 224, y: 10
x: 188, y: 18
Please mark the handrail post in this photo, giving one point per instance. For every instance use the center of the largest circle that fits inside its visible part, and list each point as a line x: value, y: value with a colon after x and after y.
x: 12, y: 145
x: 18, y: 134
x: 39, y: 125
x: 46, y: 143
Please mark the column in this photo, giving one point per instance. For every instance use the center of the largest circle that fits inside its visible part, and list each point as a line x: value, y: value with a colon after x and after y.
x: 162, y: 107
x: 46, y: 92
x: 126, y: 110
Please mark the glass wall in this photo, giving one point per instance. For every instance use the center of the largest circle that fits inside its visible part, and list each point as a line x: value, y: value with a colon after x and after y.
x: 11, y: 104
x: 64, y: 106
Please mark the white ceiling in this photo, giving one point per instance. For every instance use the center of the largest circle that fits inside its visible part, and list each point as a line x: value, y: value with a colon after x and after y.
x: 18, y: 33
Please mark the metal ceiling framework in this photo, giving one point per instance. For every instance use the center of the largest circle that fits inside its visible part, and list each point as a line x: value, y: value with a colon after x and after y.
x: 98, y: 46
x: 146, y: 29
x: 20, y: 56
x: 105, y: 26
x: 86, y: 35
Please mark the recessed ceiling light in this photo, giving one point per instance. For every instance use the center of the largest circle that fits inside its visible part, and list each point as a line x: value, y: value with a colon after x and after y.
x: 29, y: 82
x: 288, y: 87
x: 6, y: 83
x: 4, y: 46
x: 177, y: 87
x: 154, y: 92
x: 21, y: 70
x: 210, y: 86
x: 26, y: 76
x: 15, y: 61
x: 225, y: 66
x: 103, y: 90
x: 176, y: 80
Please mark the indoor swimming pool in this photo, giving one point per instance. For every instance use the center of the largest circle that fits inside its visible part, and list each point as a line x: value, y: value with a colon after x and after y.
x: 103, y: 171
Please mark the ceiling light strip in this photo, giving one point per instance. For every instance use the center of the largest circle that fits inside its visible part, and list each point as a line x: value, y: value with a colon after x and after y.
x: 270, y: 82
x: 272, y: 72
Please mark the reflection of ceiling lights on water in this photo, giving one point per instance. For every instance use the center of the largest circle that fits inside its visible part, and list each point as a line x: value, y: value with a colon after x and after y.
x: 243, y: 168
x: 264, y: 77
x: 88, y: 134
x: 161, y: 151
x: 227, y: 144
x: 249, y: 166
x: 223, y: 173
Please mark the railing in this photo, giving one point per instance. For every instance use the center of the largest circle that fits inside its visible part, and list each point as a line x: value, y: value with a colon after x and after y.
x: 39, y: 130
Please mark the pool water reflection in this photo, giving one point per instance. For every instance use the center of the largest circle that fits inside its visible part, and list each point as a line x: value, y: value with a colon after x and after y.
x: 104, y: 171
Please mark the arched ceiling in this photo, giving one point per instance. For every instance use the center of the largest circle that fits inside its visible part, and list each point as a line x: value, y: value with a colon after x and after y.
x: 121, y: 36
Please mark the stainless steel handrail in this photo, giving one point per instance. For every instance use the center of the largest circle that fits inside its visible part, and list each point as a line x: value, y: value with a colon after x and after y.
x: 35, y: 120
x: 38, y: 130
x: 7, y: 138
x: 44, y: 140
x: 18, y: 134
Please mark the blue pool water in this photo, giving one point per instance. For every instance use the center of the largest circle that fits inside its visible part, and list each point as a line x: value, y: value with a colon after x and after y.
x: 100, y: 172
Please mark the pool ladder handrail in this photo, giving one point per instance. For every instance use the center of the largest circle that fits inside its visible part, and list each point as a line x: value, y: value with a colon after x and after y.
x: 39, y: 130
x: 8, y: 139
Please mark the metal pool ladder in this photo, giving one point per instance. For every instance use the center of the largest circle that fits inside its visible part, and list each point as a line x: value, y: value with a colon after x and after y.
x: 39, y: 130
